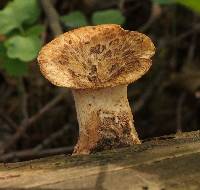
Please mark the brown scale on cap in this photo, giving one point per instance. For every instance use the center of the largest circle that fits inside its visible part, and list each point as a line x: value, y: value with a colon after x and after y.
x: 96, y: 57
x: 97, y: 63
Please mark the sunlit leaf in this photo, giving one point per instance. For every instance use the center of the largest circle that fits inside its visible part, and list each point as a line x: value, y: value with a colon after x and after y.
x: 23, y: 48
x: 111, y: 16
x: 18, y: 12
x: 74, y: 19
x: 192, y: 4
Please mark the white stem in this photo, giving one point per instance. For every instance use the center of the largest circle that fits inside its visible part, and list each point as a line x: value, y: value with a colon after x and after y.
x: 105, y: 119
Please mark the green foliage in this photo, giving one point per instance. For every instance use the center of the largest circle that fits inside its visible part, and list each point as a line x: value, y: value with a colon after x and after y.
x: 163, y: 2
x: 74, y: 19
x: 194, y: 5
x: 107, y: 17
x: 23, y: 48
x: 15, y: 67
x: 191, y: 4
x: 35, y: 30
x: 22, y: 35
x: 18, y: 12
x: 2, y: 52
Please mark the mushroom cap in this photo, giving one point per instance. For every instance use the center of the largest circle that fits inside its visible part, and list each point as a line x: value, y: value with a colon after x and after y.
x: 96, y: 57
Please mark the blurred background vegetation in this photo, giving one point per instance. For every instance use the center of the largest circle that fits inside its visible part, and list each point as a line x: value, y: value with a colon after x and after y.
x: 39, y: 119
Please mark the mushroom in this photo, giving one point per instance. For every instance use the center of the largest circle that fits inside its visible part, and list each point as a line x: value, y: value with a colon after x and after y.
x: 97, y: 63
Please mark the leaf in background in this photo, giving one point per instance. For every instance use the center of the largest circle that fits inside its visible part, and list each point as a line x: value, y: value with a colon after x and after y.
x: 18, y: 12
x: 74, y: 19
x: 2, y: 51
x: 192, y: 4
x: 163, y: 2
x: 2, y: 54
x: 23, y: 48
x: 7, y: 22
x: 15, y: 67
x: 30, y: 10
x: 111, y: 16
x: 35, y: 30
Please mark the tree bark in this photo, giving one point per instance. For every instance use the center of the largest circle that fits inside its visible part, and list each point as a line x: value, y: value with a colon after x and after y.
x: 171, y: 162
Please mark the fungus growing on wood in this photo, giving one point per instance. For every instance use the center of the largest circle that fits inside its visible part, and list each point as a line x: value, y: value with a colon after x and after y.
x: 97, y: 63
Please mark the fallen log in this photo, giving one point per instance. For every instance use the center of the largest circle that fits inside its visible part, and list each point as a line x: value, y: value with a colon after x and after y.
x: 163, y: 163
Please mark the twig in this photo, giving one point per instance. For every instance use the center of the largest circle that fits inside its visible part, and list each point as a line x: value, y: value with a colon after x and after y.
x: 182, y: 97
x: 197, y: 94
x: 192, y: 47
x: 8, y: 120
x: 6, y: 93
x: 51, y: 138
x: 94, y: 5
x: 28, y: 122
x: 24, y: 98
x: 30, y: 154
x: 179, y: 112
x: 44, y: 34
x: 52, y: 16
x: 155, y: 13
x: 45, y: 109
x: 182, y: 36
x: 147, y: 94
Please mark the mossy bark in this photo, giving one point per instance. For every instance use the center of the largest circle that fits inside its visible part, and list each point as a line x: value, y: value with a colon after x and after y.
x: 169, y: 163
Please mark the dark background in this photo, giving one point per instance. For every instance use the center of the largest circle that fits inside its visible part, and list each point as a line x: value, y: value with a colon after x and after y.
x: 38, y: 119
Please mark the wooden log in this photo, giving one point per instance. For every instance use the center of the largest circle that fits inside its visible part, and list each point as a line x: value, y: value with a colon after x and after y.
x: 165, y: 163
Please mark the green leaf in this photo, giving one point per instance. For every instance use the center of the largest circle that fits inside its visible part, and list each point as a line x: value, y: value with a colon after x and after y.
x: 113, y: 16
x: 35, y: 30
x: 23, y: 48
x: 191, y: 4
x: 27, y: 11
x: 2, y: 51
x: 15, y: 67
x: 74, y: 19
x: 194, y: 5
x: 7, y: 22
x: 163, y: 2
x: 18, y: 12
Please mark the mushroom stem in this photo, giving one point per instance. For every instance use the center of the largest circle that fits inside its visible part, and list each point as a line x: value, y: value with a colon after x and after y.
x: 105, y: 119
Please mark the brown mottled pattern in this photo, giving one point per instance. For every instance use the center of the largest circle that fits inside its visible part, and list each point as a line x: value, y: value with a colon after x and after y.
x: 96, y: 57
x: 114, y: 131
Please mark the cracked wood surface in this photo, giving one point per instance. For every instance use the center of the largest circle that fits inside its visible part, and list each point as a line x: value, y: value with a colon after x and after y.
x: 165, y: 163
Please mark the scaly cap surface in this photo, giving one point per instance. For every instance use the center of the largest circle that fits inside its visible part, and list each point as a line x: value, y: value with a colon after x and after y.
x: 96, y: 57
